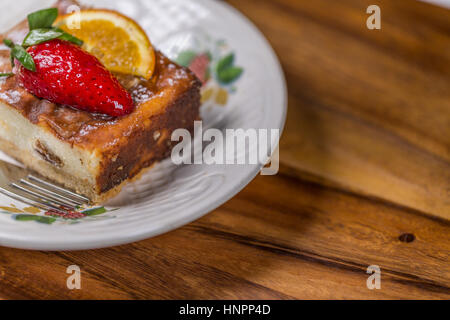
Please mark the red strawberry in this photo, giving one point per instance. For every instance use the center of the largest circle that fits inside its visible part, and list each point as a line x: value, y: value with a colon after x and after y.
x: 65, y: 74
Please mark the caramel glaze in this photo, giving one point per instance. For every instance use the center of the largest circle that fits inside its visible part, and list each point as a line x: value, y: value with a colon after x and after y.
x: 95, y: 131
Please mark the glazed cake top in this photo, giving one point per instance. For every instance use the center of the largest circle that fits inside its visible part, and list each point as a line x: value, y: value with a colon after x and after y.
x: 95, y: 131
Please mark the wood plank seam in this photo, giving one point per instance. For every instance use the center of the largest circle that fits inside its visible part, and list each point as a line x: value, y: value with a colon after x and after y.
x: 333, y: 262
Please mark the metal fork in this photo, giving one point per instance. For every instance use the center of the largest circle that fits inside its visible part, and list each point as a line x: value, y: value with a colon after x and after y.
x: 24, y: 186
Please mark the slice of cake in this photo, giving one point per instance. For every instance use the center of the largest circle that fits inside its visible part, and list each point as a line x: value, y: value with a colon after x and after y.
x: 91, y: 153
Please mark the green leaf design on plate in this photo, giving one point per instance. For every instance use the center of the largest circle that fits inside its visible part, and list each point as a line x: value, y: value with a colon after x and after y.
x: 46, y: 220
x: 38, y: 36
x: 210, y: 56
x: 6, y: 74
x: 30, y: 217
x: 185, y: 58
x: 229, y: 75
x: 225, y: 63
x: 26, y: 217
x: 42, y: 18
x: 94, y: 211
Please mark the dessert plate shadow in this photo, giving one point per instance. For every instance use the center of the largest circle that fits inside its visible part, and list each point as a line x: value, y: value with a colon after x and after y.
x: 169, y: 196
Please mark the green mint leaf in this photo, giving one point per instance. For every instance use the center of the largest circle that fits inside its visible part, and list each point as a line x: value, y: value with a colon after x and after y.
x: 42, y: 18
x: 6, y: 74
x: 23, y: 57
x: 230, y: 74
x: 68, y: 37
x: 185, y: 58
x: 38, y: 36
x: 8, y: 43
x: 95, y: 211
x: 225, y: 63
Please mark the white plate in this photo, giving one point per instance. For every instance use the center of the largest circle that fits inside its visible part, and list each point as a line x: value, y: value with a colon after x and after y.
x: 168, y: 197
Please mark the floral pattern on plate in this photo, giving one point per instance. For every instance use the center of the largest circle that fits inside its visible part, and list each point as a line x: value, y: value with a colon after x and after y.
x: 52, y: 216
x: 216, y: 68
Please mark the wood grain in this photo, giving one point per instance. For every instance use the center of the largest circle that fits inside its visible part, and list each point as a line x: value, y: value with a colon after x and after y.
x: 365, y: 159
x: 308, y: 242
x: 368, y: 113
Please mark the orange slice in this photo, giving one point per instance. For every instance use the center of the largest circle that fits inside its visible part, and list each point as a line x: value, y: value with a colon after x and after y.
x: 116, y: 40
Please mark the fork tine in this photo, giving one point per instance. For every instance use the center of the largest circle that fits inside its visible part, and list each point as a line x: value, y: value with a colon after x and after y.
x: 37, y: 204
x: 43, y: 200
x: 51, y: 194
x: 67, y: 192
x: 43, y: 197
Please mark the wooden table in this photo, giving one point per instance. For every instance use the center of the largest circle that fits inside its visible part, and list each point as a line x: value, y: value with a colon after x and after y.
x: 365, y: 161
